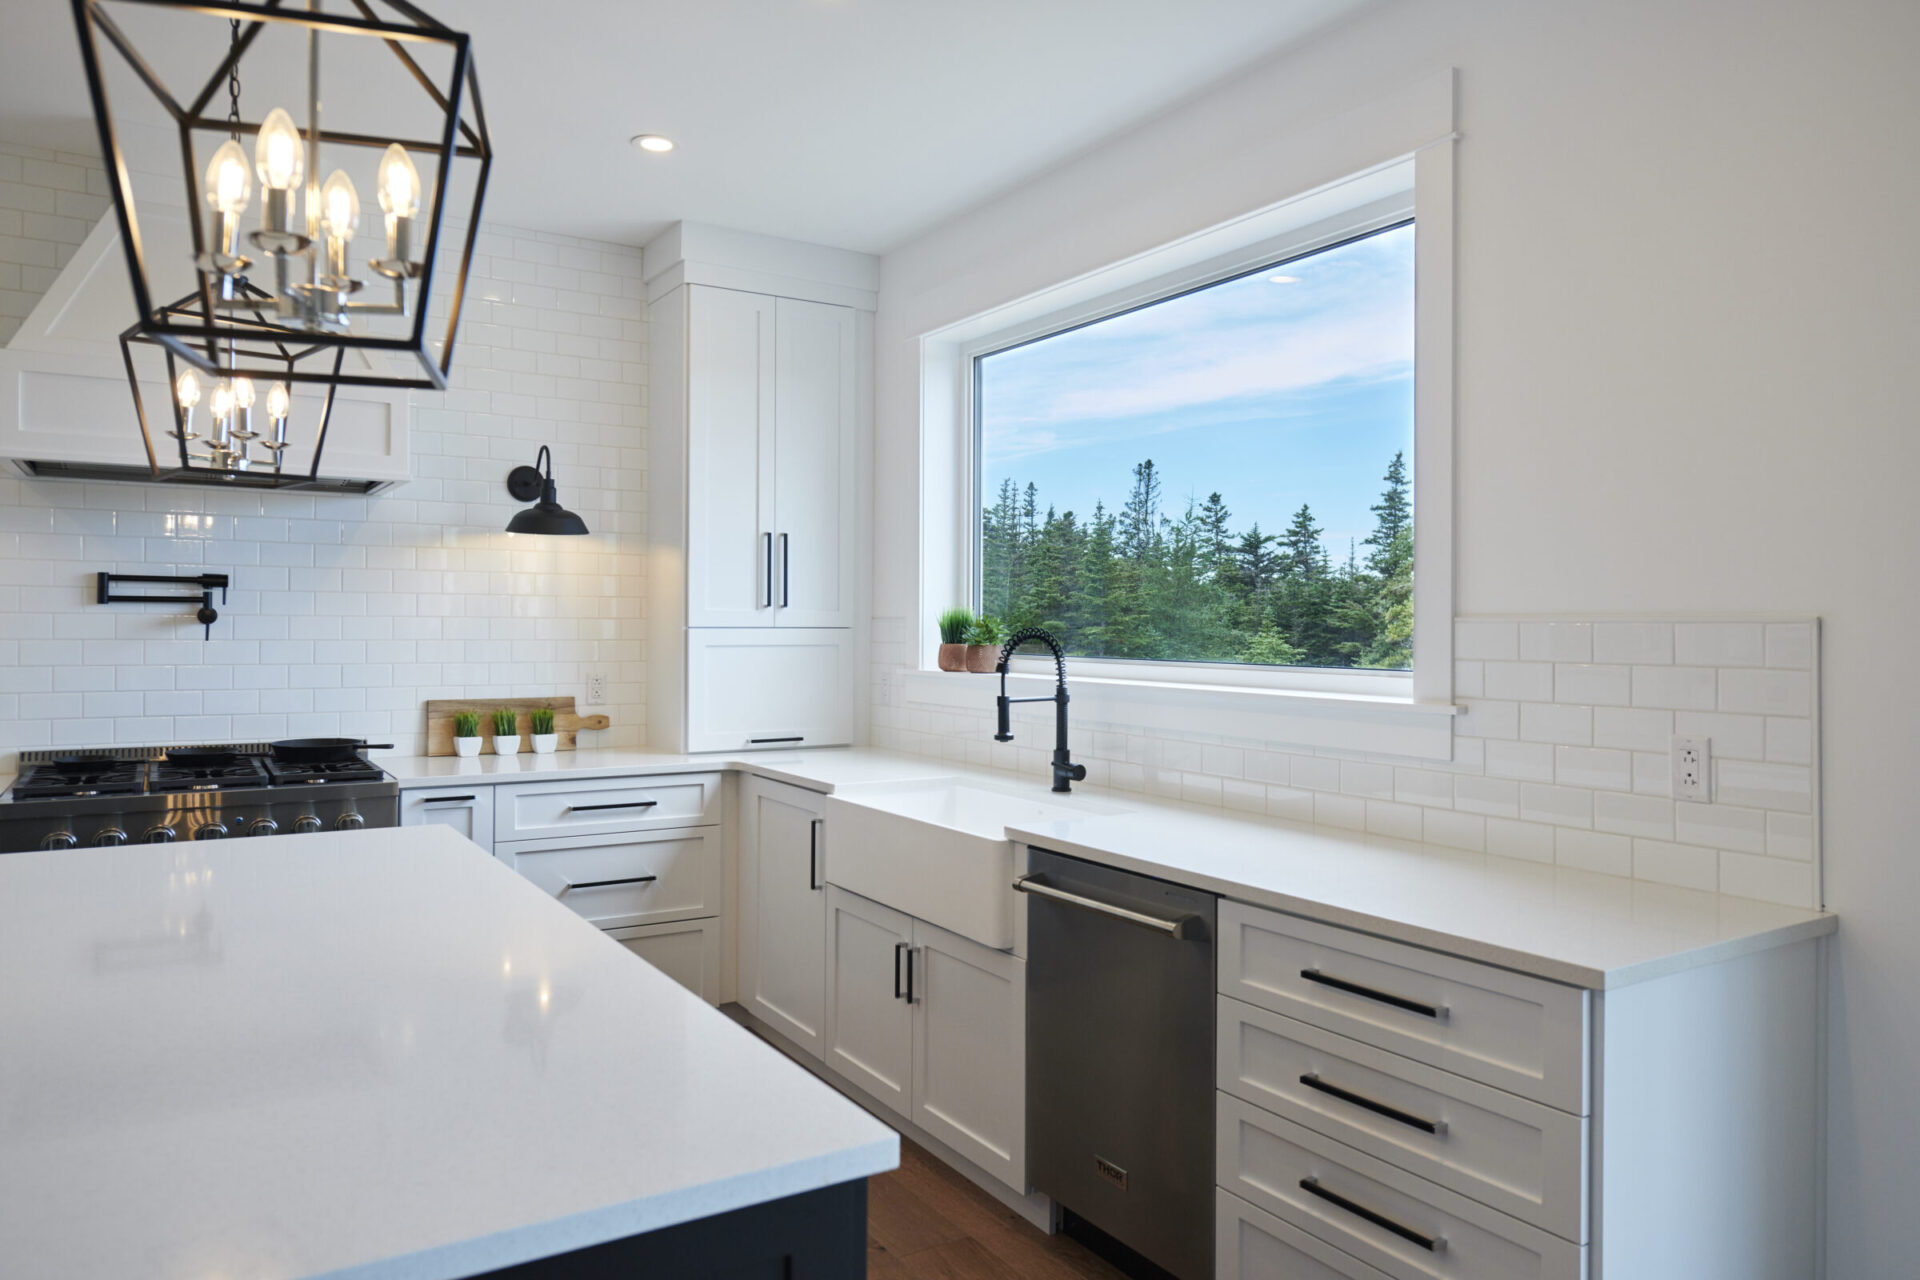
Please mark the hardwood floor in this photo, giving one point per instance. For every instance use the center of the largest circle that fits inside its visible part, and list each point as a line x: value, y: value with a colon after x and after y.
x: 926, y: 1222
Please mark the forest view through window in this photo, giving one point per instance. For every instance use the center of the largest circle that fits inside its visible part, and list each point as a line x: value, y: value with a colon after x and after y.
x: 1223, y: 476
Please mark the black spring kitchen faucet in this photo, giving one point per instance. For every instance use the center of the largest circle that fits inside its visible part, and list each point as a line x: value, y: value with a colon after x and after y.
x: 1065, y: 771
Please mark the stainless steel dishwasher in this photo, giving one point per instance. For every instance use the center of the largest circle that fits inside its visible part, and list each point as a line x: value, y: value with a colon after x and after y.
x: 1120, y: 1045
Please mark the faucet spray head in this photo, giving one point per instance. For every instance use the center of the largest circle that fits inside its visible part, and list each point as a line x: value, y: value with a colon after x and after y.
x: 1005, y: 733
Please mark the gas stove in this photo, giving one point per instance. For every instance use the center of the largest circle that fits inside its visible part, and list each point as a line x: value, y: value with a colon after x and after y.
x: 65, y: 799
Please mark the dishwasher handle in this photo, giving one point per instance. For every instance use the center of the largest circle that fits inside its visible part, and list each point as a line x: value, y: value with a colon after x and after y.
x: 1180, y: 928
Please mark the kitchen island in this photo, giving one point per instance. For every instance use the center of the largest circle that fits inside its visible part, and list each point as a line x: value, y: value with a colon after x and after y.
x: 382, y: 1053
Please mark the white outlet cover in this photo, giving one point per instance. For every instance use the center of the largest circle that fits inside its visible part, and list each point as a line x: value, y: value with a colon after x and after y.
x: 1692, y: 765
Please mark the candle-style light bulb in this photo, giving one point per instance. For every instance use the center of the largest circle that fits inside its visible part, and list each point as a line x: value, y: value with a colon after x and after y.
x: 221, y: 405
x: 243, y: 392
x: 399, y: 183
x: 339, y: 219
x: 277, y: 401
x: 186, y: 388
x: 278, y: 154
x: 229, y: 182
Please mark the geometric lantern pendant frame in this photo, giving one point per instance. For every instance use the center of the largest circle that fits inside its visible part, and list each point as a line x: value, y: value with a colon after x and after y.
x: 214, y: 330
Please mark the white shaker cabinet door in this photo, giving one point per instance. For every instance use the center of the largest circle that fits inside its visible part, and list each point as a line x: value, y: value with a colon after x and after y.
x: 783, y: 910
x: 970, y: 1050
x: 869, y: 1022
x: 468, y: 810
x: 730, y: 425
x: 765, y: 688
x: 813, y: 465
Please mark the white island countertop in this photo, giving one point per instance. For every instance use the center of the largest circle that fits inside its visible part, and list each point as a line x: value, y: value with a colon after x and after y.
x: 366, y: 1054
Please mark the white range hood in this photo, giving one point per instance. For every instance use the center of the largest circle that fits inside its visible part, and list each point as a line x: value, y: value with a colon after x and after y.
x: 66, y: 411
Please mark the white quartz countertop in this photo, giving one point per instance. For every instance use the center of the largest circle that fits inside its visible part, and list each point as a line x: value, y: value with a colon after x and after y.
x: 366, y: 1054
x: 1577, y: 927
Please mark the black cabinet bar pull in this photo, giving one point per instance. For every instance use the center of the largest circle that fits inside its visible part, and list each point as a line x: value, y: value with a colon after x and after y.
x: 769, y: 551
x: 898, y: 947
x: 624, y: 804
x: 1436, y: 1012
x: 1313, y: 1081
x: 786, y: 563
x: 601, y: 884
x: 755, y: 742
x: 813, y: 853
x: 1432, y: 1244
x: 447, y: 799
x: 910, y: 954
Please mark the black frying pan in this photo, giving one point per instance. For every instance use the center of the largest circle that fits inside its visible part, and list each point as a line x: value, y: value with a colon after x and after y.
x: 323, y: 750
x: 202, y: 757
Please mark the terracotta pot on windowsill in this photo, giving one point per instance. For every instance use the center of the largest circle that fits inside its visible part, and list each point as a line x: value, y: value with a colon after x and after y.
x: 983, y: 657
x: 953, y: 657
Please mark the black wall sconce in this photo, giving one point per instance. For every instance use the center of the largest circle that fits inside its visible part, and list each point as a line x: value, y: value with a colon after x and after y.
x: 546, y: 515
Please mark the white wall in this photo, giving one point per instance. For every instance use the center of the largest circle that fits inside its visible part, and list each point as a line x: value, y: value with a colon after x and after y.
x: 1685, y: 327
x: 346, y: 614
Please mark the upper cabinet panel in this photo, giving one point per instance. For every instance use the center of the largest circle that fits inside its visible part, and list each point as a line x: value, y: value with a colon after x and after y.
x: 730, y: 424
x: 815, y: 418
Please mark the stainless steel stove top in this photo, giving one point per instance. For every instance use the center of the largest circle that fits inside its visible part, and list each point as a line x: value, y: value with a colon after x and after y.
x: 63, y: 799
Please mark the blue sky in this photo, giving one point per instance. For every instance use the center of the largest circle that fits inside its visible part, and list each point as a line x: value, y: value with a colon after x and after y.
x: 1290, y: 385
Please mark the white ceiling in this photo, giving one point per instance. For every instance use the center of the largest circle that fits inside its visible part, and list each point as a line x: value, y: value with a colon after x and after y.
x: 856, y: 123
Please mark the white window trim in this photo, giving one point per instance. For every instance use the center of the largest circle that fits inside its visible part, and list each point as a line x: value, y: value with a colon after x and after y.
x: 1417, y: 182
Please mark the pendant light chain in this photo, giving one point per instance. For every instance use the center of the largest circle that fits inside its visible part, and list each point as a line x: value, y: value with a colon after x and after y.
x: 233, y: 83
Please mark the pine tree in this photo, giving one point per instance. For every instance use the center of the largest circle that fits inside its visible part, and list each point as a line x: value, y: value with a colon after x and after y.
x: 1393, y: 514
x: 1255, y: 564
x: 1217, y: 549
x: 1140, y: 519
x: 1306, y: 555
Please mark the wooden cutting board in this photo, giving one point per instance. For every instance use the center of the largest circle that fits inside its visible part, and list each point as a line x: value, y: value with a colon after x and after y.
x: 566, y: 724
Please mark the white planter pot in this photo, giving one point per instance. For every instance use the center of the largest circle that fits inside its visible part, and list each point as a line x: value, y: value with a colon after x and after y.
x: 544, y: 743
x: 466, y: 746
x: 506, y: 744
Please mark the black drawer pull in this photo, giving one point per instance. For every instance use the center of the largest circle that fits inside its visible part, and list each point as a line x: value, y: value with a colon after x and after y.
x: 601, y: 884
x: 757, y: 742
x: 625, y: 804
x: 1407, y: 1118
x: 898, y: 947
x: 1436, y: 1012
x: 447, y: 799
x: 1432, y: 1244
x: 813, y: 852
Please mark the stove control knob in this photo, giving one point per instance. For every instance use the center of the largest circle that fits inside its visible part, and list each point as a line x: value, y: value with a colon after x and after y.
x: 157, y: 835
x: 210, y: 831
x: 305, y: 823
x: 59, y: 840
x: 107, y: 837
x: 262, y: 827
x: 349, y: 822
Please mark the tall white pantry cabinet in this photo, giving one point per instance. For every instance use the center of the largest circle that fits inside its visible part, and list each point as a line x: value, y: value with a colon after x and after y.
x: 755, y: 562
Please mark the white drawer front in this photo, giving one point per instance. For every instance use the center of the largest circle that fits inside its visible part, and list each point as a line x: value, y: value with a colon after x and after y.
x: 538, y: 810
x: 1330, y: 1190
x: 1505, y: 1029
x: 688, y: 951
x: 1503, y: 1150
x: 468, y: 810
x: 1252, y: 1244
x: 621, y: 880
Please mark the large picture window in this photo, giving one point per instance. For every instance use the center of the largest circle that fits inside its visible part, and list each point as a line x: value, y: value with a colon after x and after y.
x: 1221, y: 476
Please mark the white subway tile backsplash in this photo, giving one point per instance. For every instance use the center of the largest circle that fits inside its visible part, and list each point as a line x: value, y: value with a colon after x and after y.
x: 1720, y: 825
x: 1594, y: 768
x: 1492, y: 797
x: 1790, y: 835
x: 1526, y: 840
x: 1719, y: 644
x: 1498, y: 641
x: 1556, y: 641
x: 1773, y: 693
x: 1593, y: 685
x: 1765, y: 786
x: 1790, y: 645
x: 1455, y: 830
x: 1557, y: 723
x: 1789, y: 740
x: 1633, y: 815
x: 1675, y: 688
x: 1687, y: 866
x: 1593, y: 851
x: 1632, y: 728
x: 1528, y: 761
x: 1560, y: 806
x: 1633, y: 643
x: 1520, y: 681
x: 1732, y: 737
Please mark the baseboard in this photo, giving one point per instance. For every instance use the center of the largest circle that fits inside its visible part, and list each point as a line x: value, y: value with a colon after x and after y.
x: 1034, y: 1207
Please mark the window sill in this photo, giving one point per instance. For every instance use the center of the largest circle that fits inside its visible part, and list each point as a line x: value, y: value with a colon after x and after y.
x: 1374, y: 723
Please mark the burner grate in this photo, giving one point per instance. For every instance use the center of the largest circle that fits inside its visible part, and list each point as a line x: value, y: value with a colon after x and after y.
x: 169, y: 776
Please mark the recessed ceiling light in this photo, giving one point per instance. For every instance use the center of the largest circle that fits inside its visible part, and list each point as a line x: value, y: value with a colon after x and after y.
x: 653, y: 142
x: 1283, y: 279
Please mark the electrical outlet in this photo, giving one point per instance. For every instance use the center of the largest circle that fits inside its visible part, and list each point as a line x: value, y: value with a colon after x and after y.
x: 883, y: 687
x: 596, y: 690
x: 1693, y: 769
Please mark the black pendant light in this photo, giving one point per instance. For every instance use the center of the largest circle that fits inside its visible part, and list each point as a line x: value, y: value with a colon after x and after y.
x: 546, y: 515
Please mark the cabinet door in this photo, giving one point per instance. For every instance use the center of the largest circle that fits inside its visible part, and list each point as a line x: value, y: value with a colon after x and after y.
x: 812, y: 465
x: 970, y: 1050
x: 639, y: 877
x: 730, y: 513
x: 688, y: 951
x: 869, y: 1022
x: 768, y: 689
x: 783, y: 910
x: 468, y: 810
